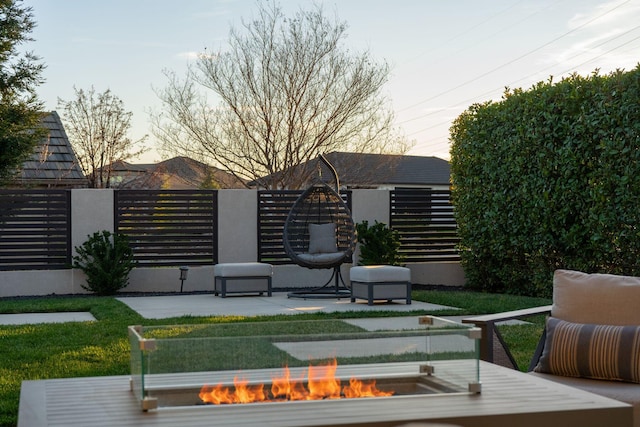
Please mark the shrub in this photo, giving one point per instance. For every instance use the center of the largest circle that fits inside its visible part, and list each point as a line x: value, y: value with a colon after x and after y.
x: 106, y: 259
x: 378, y: 244
x: 549, y: 178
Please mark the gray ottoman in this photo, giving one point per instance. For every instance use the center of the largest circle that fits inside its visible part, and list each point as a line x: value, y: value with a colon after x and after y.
x: 242, y: 277
x: 380, y: 282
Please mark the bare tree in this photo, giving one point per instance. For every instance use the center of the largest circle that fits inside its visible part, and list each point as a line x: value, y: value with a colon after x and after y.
x: 97, y: 125
x: 287, y: 90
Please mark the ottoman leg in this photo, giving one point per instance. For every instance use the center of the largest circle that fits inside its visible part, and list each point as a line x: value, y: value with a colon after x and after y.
x: 370, y: 294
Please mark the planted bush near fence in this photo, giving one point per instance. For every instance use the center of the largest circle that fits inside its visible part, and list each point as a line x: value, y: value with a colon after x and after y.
x: 549, y: 178
x: 106, y: 259
x: 379, y: 245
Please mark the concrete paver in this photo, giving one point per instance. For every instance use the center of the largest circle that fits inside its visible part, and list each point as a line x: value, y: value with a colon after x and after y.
x: 34, y: 318
x: 161, y: 307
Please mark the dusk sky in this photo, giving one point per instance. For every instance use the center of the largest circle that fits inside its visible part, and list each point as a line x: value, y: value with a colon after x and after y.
x: 445, y: 54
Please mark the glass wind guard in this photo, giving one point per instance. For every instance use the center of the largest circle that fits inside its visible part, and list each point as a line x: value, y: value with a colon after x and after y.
x: 453, y: 349
x: 178, y: 365
x: 136, y: 361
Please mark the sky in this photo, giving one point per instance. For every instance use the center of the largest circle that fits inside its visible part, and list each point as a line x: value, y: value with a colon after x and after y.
x: 445, y: 55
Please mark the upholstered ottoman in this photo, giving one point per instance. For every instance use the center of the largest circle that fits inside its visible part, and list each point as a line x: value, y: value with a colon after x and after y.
x: 242, y: 277
x: 380, y: 282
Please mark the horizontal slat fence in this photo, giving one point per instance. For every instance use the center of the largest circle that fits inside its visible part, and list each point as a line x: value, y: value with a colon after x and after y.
x: 179, y: 227
x: 169, y: 227
x: 35, y: 229
x: 273, y: 208
x: 426, y: 223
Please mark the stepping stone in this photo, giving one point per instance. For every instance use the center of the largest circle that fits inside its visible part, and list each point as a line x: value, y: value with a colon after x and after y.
x: 33, y: 318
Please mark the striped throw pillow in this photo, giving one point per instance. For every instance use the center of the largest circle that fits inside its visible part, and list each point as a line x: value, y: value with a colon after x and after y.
x: 591, y: 351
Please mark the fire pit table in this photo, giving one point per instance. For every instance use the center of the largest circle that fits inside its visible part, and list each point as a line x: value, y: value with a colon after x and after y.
x: 434, y: 374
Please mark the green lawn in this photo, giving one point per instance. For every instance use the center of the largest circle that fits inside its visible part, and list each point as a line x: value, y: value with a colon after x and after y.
x: 31, y: 352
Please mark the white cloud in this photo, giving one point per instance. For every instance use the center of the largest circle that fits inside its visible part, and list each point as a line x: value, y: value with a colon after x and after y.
x: 606, y: 14
x: 188, y: 55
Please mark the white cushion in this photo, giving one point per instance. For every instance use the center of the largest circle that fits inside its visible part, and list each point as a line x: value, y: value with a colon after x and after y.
x: 242, y: 269
x: 322, y: 238
x: 380, y: 273
x: 603, y: 299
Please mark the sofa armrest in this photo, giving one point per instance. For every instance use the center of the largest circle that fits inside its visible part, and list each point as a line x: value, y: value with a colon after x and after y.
x: 507, y: 315
x: 491, y: 338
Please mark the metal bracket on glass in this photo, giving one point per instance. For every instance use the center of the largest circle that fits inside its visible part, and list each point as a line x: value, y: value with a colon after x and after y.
x: 425, y: 320
x: 475, y: 333
x: 149, y: 403
x: 427, y: 369
x: 148, y: 345
x: 475, y: 388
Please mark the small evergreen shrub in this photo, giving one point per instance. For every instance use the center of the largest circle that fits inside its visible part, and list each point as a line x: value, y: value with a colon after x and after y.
x: 107, y: 260
x: 379, y: 245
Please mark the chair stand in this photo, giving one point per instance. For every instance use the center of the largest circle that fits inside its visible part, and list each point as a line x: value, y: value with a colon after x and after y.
x: 331, y: 289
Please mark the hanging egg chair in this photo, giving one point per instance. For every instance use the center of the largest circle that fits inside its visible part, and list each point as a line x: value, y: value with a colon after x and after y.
x: 319, y: 233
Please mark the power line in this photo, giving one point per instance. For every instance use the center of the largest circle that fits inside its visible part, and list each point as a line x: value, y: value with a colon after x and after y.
x: 602, y: 54
x: 467, y: 30
x: 447, y: 142
x: 528, y: 77
x: 515, y: 59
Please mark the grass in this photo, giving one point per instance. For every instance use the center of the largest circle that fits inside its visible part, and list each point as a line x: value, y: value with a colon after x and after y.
x: 80, y: 349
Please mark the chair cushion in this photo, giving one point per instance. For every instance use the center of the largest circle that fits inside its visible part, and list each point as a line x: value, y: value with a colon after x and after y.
x: 380, y: 273
x: 601, y: 299
x: 322, y: 238
x: 242, y: 269
x: 323, y: 258
x: 602, y: 352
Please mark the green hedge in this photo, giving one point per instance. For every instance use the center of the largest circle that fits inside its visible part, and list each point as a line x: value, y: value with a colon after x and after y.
x: 549, y: 178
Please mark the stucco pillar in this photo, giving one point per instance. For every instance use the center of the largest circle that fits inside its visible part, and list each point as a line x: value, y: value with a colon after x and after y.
x: 91, y: 211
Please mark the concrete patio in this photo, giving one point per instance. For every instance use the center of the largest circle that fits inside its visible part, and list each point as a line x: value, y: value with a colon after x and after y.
x: 168, y: 306
x: 161, y: 307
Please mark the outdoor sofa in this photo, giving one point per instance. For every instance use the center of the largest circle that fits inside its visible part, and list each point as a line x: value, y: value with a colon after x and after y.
x: 592, y: 336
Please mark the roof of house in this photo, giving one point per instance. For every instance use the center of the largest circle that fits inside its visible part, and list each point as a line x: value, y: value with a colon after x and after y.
x: 122, y: 166
x: 371, y: 170
x: 54, y: 162
x: 174, y: 173
x: 394, y: 169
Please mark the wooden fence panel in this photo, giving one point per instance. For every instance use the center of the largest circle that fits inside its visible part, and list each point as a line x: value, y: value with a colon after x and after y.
x: 35, y: 229
x: 426, y: 223
x: 169, y: 227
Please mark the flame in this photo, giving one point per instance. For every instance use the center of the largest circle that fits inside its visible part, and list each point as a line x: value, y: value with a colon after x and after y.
x: 287, y: 388
x: 243, y: 393
x: 321, y: 383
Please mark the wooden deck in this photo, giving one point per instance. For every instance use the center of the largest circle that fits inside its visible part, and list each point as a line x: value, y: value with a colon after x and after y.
x: 508, y: 398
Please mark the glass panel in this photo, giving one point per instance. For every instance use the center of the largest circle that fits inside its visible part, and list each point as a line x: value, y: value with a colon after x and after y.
x: 136, y: 361
x: 177, y: 363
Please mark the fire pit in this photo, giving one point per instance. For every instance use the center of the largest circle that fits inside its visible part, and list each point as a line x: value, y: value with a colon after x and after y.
x: 277, y: 362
